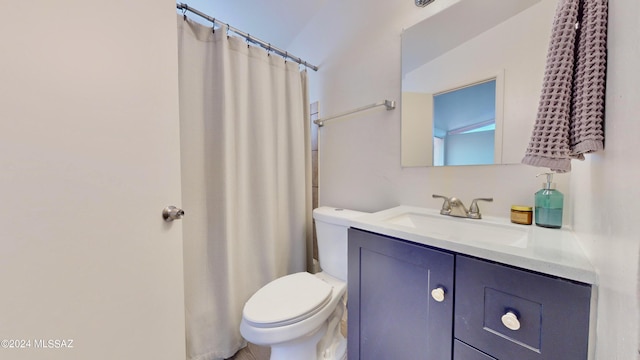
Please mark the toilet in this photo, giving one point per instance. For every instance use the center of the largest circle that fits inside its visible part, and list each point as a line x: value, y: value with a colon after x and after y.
x: 299, y: 315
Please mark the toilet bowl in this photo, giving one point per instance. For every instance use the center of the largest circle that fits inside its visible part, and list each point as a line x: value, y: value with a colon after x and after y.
x: 299, y: 315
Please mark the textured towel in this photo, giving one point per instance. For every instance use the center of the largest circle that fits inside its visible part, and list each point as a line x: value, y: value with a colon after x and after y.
x: 571, y: 111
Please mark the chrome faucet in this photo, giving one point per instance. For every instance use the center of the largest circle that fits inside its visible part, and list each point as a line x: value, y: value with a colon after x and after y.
x: 446, y: 206
x: 454, y: 207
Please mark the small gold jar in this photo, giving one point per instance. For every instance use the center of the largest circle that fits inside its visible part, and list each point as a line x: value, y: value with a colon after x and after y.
x: 521, y: 214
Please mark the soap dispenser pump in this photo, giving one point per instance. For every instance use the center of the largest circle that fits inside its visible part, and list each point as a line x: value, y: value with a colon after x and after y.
x: 549, y: 204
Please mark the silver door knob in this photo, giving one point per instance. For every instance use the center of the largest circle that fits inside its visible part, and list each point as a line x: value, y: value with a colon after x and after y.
x: 171, y: 213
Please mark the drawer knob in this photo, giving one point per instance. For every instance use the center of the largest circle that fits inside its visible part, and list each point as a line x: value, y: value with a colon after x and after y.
x: 438, y: 294
x: 510, y: 320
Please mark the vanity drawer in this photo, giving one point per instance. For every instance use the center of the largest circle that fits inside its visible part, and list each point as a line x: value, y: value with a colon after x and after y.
x: 462, y: 351
x: 516, y: 314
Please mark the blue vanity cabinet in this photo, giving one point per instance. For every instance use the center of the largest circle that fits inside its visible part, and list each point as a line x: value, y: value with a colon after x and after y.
x: 488, y: 311
x: 392, y: 312
x: 510, y: 313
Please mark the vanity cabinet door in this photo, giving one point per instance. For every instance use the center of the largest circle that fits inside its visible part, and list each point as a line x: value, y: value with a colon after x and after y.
x: 392, y: 313
x: 511, y: 313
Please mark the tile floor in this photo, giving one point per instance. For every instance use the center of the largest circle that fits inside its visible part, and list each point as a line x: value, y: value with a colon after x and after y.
x: 252, y: 352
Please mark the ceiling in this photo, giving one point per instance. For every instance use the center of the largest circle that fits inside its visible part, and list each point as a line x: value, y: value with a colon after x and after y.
x: 275, y: 21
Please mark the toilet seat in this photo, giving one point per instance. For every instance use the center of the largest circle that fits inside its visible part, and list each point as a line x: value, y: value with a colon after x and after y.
x: 287, y: 300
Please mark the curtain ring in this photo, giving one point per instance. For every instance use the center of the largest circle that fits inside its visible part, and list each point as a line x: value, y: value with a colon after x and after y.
x: 184, y: 13
x: 213, y: 26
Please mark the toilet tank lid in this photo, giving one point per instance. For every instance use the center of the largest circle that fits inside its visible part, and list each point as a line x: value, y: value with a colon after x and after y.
x: 336, y: 216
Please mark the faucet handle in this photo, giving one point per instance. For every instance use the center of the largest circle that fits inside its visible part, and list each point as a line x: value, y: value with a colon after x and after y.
x: 446, y: 206
x: 474, y: 210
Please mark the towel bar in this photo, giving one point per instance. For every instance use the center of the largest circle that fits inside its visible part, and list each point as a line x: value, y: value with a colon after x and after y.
x: 389, y: 104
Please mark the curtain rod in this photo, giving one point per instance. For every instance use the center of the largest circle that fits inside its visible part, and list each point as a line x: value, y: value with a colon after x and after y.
x: 248, y: 37
x: 388, y: 104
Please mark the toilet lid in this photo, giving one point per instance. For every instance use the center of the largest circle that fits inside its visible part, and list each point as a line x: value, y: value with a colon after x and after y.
x: 287, y: 300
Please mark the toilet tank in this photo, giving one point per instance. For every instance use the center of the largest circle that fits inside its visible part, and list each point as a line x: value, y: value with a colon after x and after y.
x: 331, y: 230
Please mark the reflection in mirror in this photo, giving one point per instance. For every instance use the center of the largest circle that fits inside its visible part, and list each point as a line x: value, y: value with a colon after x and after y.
x: 502, y: 40
x: 464, y: 125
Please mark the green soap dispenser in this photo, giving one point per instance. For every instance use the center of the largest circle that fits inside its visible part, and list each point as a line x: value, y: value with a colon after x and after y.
x: 549, y: 203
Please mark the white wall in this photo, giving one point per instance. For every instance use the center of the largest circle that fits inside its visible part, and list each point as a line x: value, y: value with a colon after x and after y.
x: 606, y: 194
x: 357, y: 46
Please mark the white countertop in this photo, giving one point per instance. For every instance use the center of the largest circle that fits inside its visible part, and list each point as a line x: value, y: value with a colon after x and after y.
x: 554, y: 252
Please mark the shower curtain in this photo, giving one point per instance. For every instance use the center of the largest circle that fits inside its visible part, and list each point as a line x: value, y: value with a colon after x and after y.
x: 245, y: 179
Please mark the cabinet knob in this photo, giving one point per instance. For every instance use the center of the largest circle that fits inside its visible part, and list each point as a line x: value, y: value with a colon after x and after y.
x: 510, y: 320
x: 438, y: 294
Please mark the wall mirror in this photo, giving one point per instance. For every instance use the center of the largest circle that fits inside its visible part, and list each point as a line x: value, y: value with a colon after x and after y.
x: 472, y: 60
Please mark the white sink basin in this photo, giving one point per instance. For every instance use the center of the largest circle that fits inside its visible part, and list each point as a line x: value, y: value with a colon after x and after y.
x: 460, y: 229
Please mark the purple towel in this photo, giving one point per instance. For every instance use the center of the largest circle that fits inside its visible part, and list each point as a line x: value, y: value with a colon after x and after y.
x: 570, y: 119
